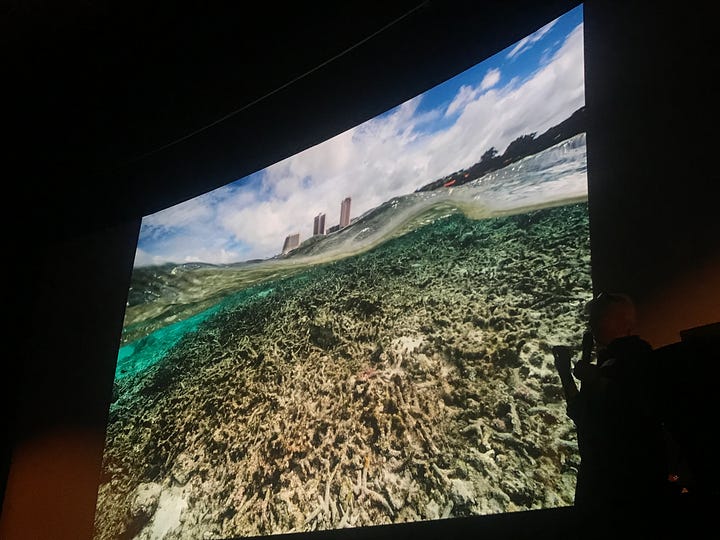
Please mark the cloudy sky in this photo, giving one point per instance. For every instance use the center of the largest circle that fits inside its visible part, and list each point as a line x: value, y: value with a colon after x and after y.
x: 528, y: 87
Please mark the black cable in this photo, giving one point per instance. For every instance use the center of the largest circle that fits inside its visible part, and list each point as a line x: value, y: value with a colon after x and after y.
x: 280, y: 88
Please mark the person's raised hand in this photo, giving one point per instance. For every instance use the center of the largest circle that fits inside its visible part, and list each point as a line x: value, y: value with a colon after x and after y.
x: 585, y: 371
x: 588, y: 342
x: 562, y: 356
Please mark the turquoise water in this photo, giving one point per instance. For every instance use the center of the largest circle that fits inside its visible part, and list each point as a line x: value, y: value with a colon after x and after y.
x: 143, y: 353
x: 139, y: 355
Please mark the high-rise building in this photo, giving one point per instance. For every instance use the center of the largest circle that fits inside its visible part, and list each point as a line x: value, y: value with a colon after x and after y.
x: 319, y: 224
x: 291, y: 242
x: 345, y: 212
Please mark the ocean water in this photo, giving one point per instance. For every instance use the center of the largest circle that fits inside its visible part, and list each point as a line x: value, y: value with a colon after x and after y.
x: 168, y: 302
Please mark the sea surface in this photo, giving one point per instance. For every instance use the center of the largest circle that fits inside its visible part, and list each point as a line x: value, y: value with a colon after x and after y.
x: 167, y: 302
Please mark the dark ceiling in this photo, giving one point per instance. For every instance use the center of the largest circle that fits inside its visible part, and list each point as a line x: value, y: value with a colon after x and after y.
x: 120, y: 108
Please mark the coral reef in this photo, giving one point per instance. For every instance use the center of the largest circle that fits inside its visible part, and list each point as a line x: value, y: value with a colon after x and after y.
x: 410, y: 382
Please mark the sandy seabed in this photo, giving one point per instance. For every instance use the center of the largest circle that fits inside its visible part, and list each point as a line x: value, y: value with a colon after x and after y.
x: 412, y: 382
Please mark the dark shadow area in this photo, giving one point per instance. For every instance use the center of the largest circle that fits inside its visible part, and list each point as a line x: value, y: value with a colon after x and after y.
x: 689, y: 373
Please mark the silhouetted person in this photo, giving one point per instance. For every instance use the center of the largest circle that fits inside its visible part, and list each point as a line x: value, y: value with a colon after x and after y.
x: 623, y: 467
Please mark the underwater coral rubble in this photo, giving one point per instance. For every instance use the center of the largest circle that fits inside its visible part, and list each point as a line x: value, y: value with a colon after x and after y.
x: 411, y: 382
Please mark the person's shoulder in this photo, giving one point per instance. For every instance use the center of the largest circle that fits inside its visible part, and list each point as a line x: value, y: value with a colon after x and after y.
x: 629, y: 358
x: 632, y: 346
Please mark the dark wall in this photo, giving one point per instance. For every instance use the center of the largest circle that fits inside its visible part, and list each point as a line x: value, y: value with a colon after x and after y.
x: 103, y: 92
x: 652, y: 190
x: 651, y: 141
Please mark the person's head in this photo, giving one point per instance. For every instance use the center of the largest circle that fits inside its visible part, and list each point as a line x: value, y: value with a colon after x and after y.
x: 612, y: 316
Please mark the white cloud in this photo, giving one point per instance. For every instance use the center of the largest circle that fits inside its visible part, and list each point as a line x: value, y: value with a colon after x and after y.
x: 492, y: 77
x: 185, y: 214
x: 525, y: 43
x: 143, y: 258
x: 465, y: 95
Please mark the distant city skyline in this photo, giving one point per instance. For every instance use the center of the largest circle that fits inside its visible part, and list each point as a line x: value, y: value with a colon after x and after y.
x: 345, y: 212
x: 291, y: 242
x: 319, y: 226
x: 526, y: 88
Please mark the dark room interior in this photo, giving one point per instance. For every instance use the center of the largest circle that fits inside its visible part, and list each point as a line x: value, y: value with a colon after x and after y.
x: 118, y: 110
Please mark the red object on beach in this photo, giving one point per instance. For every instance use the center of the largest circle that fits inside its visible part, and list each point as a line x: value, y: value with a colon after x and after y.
x: 448, y: 184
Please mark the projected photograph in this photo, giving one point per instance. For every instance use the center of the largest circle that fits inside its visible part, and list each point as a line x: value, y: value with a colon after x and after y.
x: 361, y: 333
